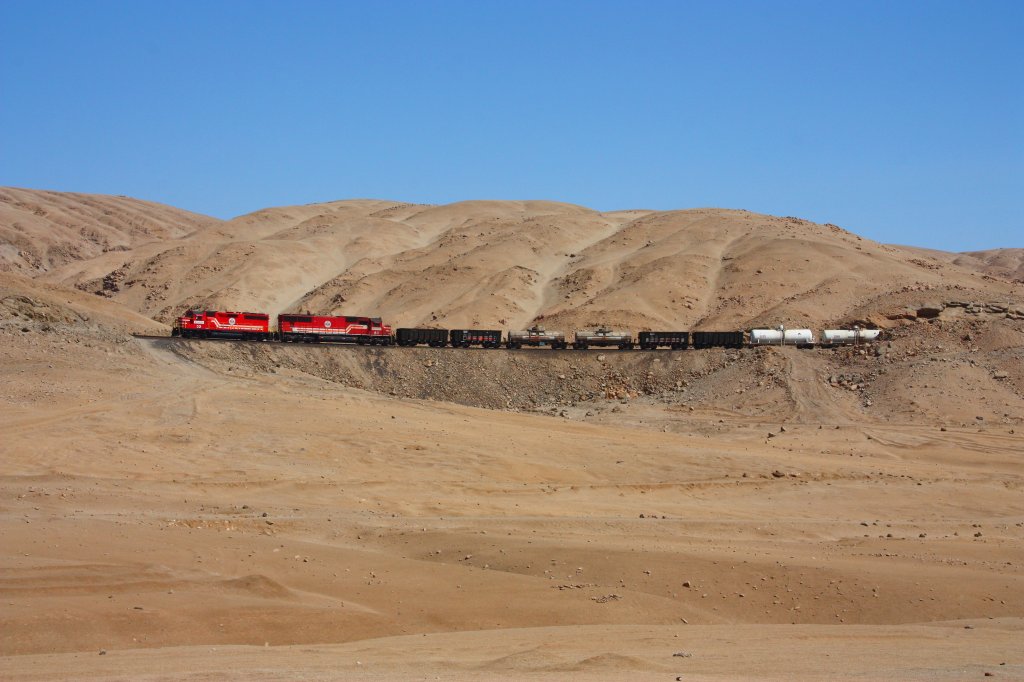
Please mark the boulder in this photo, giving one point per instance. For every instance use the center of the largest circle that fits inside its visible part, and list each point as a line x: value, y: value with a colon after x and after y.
x: 901, y: 315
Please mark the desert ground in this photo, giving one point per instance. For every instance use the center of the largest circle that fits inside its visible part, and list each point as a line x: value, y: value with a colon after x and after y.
x: 210, y: 510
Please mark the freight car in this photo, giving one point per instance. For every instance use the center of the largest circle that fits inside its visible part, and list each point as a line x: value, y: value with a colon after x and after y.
x: 464, y: 338
x: 207, y: 324
x: 848, y: 337
x: 674, y: 340
x: 339, y: 329
x: 536, y: 336
x: 407, y: 336
x: 801, y: 338
x: 718, y: 339
x: 602, y: 336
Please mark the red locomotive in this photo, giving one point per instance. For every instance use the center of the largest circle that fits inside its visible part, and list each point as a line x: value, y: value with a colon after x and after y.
x: 344, y: 329
x: 215, y: 323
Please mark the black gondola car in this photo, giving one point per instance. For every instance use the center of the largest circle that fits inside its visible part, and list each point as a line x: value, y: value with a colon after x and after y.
x: 414, y: 337
x: 674, y: 340
x: 718, y: 339
x: 464, y: 338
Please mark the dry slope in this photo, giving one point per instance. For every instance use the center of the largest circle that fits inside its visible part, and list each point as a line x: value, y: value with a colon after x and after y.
x: 41, y: 230
x: 506, y: 264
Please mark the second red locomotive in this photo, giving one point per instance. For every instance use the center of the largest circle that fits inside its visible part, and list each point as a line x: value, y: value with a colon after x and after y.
x: 317, y: 328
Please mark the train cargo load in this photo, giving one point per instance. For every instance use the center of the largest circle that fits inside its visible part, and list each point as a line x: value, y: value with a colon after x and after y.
x: 602, y: 336
x: 336, y: 328
x: 536, y: 336
x: 407, y: 336
x: 718, y: 339
x: 464, y: 338
x: 673, y: 340
x: 209, y: 324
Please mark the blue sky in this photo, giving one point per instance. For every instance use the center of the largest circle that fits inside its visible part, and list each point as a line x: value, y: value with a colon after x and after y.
x: 902, y: 121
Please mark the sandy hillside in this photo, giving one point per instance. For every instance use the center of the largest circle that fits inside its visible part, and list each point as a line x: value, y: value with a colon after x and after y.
x: 42, y: 230
x: 506, y: 264
x: 1006, y: 263
x: 225, y: 510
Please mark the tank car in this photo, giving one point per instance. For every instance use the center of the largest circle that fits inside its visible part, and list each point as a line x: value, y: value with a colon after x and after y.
x: 339, y: 328
x: 801, y: 338
x: 848, y: 337
x: 206, y: 324
x: 536, y: 336
x: 602, y: 336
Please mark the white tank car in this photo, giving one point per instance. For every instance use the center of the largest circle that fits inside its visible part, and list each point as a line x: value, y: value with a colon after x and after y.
x: 603, y: 336
x: 535, y: 336
x: 775, y: 337
x: 844, y: 337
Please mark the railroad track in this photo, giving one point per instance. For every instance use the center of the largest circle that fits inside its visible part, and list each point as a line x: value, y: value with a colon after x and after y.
x: 332, y: 344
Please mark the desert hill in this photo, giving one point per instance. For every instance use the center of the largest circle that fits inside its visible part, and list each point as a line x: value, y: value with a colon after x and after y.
x: 41, y: 230
x: 46, y: 307
x: 1007, y: 263
x: 507, y: 264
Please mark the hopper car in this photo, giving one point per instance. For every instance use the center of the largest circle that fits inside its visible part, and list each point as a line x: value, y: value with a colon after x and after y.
x: 407, y: 336
x: 464, y: 338
x: 673, y: 340
x: 718, y: 339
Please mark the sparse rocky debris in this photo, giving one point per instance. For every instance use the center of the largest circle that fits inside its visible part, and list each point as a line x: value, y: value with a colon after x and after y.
x: 112, y: 282
x: 931, y: 311
x: 1012, y: 311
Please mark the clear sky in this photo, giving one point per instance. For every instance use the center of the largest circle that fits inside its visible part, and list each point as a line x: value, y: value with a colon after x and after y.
x: 902, y: 121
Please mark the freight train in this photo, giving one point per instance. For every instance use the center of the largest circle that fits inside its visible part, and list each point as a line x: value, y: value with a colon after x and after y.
x: 295, y: 328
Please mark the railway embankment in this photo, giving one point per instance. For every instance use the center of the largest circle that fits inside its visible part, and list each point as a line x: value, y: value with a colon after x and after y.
x: 945, y: 373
